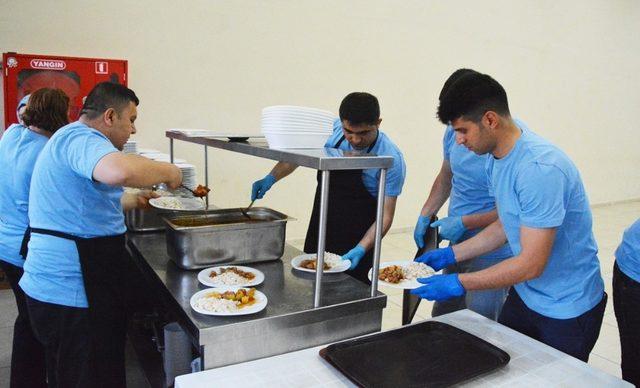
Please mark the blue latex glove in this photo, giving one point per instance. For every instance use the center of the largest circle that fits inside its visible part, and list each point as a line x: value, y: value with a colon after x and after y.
x: 354, y: 256
x: 420, y: 230
x: 440, y: 287
x: 260, y: 187
x: 451, y: 228
x: 438, y: 258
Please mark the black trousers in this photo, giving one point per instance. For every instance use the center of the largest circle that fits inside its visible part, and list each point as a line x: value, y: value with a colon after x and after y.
x: 65, y: 334
x: 27, y: 357
x: 626, y: 303
x: 574, y: 336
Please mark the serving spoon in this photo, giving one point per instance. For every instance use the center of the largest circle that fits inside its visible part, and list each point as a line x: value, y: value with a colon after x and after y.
x: 244, y: 211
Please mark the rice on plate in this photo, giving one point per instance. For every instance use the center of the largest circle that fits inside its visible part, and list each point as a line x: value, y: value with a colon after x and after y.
x: 332, y: 259
x: 168, y: 203
x: 416, y: 270
x: 230, y: 279
x: 217, y: 305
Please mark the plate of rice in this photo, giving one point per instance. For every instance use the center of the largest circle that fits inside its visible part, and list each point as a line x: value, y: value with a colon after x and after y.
x: 228, y: 301
x: 332, y: 263
x: 230, y: 276
x: 402, y: 274
x: 177, y: 203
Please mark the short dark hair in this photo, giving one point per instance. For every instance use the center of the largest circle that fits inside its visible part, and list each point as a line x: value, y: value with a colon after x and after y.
x: 470, y: 96
x: 360, y: 108
x: 47, y: 109
x: 107, y: 95
x: 453, y: 78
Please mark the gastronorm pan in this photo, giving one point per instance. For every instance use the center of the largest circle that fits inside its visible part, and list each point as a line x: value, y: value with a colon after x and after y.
x: 225, y: 236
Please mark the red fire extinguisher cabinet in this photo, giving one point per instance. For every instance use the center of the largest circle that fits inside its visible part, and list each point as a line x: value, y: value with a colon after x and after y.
x: 26, y: 73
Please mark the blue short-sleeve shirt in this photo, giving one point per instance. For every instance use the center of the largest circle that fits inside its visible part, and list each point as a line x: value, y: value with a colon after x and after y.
x: 383, y: 147
x: 470, y: 192
x: 19, y: 149
x: 64, y: 197
x: 537, y: 186
x: 628, y: 252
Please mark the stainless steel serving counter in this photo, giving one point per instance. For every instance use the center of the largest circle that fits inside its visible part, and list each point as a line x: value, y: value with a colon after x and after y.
x: 324, y: 160
x: 290, y: 322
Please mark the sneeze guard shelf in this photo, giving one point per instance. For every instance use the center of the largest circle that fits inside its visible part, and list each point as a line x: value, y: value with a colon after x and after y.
x: 322, y: 159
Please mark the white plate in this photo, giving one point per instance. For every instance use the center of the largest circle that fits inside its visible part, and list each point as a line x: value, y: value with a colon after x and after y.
x: 295, y: 119
x: 259, y: 305
x: 295, y: 263
x: 285, y: 140
x: 188, y: 204
x: 293, y: 132
x: 296, y: 109
x: 295, y: 127
x: 203, y: 276
x: 193, y: 131
x: 404, y: 284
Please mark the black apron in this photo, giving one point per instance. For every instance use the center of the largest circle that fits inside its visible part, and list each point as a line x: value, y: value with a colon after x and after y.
x: 102, y: 260
x: 351, y: 212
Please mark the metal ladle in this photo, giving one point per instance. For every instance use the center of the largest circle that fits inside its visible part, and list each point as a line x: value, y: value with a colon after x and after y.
x: 244, y: 211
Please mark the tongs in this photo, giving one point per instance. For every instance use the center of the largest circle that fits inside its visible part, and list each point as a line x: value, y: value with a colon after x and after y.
x: 244, y: 211
x: 191, y: 191
x: 163, y: 187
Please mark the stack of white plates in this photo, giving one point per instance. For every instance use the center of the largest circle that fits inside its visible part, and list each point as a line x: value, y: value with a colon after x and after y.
x: 130, y: 147
x: 160, y: 157
x: 188, y: 170
x: 188, y: 177
x: 287, y: 126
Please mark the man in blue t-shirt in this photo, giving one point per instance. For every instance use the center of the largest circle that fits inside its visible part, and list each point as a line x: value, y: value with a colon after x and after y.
x: 558, y: 294
x: 75, y: 267
x: 351, y: 212
x: 626, y: 301
x: 463, y: 180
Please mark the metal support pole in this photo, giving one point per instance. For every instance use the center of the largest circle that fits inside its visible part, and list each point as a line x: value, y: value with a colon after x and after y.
x: 322, y: 228
x: 206, y: 174
x: 378, y: 241
x: 171, y: 150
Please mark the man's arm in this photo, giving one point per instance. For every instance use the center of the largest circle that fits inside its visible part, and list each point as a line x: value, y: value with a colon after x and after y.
x: 282, y: 169
x: 119, y: 169
x: 261, y: 186
x: 489, y: 239
x: 388, y: 211
x: 139, y: 200
x: 529, y: 264
x: 440, y: 191
x: 479, y: 220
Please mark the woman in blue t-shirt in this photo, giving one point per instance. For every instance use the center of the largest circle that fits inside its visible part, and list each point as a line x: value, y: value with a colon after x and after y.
x: 45, y: 113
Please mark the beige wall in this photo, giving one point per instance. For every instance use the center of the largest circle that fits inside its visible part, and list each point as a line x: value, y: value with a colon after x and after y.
x: 570, y: 69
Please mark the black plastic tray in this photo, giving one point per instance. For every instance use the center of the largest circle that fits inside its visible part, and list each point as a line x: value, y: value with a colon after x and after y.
x: 428, y: 354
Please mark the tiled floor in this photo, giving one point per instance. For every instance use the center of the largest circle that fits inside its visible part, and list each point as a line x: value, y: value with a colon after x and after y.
x: 609, y: 223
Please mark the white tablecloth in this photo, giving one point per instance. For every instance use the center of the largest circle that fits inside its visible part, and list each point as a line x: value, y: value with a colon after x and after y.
x: 532, y: 364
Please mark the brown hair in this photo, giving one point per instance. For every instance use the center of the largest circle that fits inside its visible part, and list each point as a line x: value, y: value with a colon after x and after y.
x: 47, y: 109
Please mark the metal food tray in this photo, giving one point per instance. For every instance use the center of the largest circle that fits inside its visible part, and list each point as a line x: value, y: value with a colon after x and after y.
x: 234, y: 239
x: 147, y: 220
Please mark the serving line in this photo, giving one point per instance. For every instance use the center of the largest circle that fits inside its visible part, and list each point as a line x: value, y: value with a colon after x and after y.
x: 322, y: 159
x: 290, y: 322
x: 533, y: 364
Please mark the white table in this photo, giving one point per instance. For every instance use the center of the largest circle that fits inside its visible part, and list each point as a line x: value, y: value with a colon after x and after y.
x: 533, y: 364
